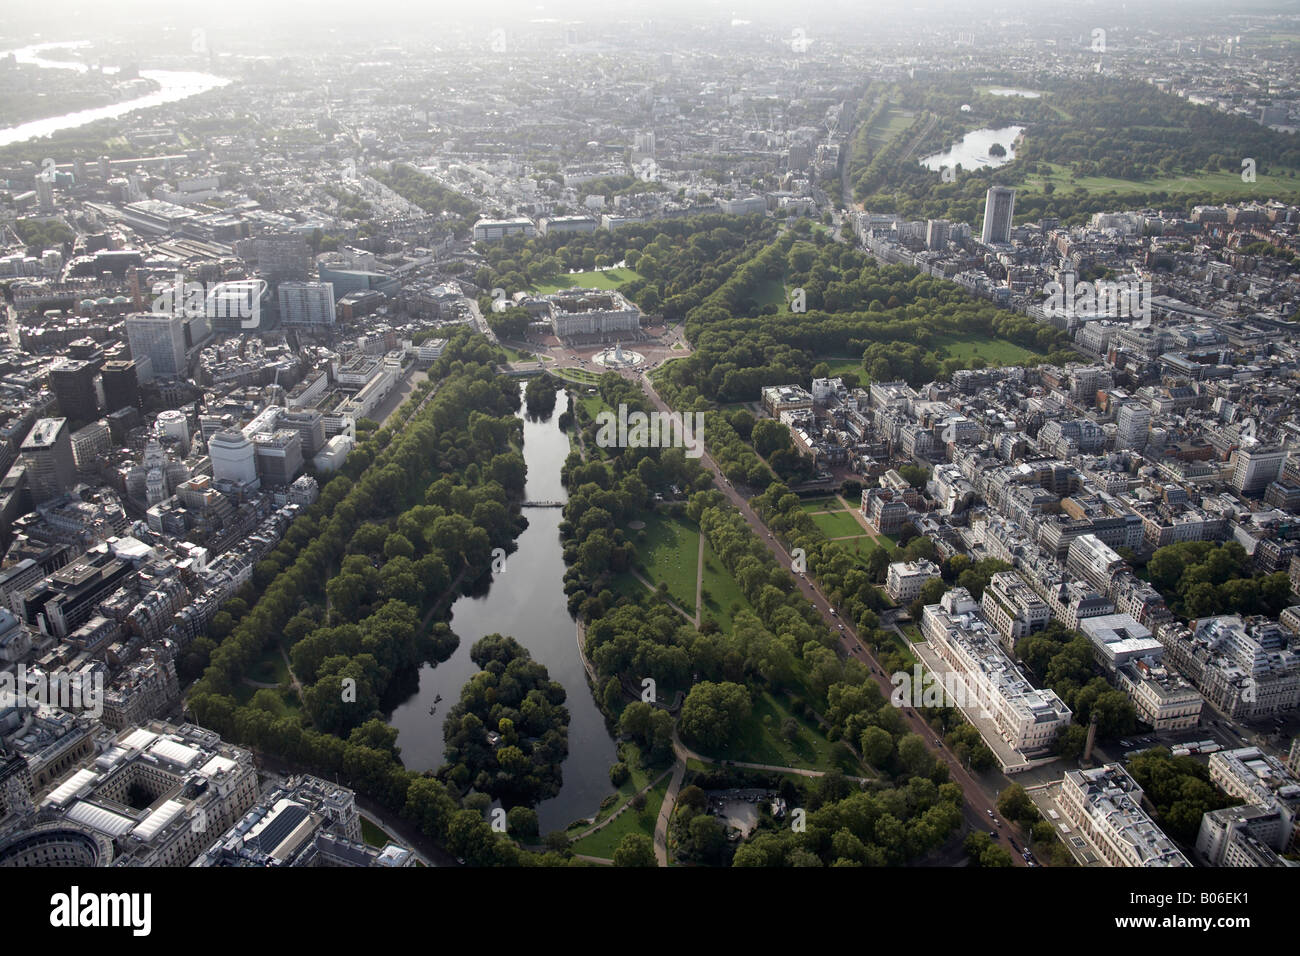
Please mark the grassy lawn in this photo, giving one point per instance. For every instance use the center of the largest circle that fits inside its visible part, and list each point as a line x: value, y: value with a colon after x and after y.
x: 839, y: 365
x: 269, y: 668
x: 839, y: 525
x: 516, y: 355
x: 821, y: 504
x: 670, y: 554
x: 859, y: 549
x: 638, y: 778
x: 761, y: 740
x: 373, y: 835
x: 721, y: 592
x: 581, y: 376
x: 901, y: 644
x: 604, y: 842
x: 244, y: 693
x: 625, y: 585
x: 1277, y: 184
x: 894, y: 122
x: 913, y: 633
x: 993, y: 351
x: 595, y: 279
x: 593, y: 405
x: 772, y: 292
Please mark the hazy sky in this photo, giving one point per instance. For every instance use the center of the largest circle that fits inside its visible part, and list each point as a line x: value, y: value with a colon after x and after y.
x: 57, y: 17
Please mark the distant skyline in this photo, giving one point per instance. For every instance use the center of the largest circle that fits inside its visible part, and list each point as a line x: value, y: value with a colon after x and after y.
x: 288, y: 18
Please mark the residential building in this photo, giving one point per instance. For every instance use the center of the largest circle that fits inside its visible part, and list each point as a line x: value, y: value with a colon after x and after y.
x: 906, y: 578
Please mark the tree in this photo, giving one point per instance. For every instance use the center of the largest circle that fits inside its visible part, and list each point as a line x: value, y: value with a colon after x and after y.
x: 1014, y: 803
x: 713, y: 713
x: 521, y: 823
x: 914, y: 755
x: 635, y: 849
x: 398, y: 545
x: 877, y: 746
x: 1071, y: 741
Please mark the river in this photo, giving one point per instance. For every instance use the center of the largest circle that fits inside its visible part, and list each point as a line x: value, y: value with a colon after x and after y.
x: 527, y: 601
x: 174, y: 85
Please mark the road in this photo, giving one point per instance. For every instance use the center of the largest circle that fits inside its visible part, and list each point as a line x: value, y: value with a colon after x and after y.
x: 480, y: 323
x: 980, y: 804
x: 400, y: 393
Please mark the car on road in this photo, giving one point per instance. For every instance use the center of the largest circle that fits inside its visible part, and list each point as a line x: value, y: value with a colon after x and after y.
x: 832, y: 610
x: 989, y: 812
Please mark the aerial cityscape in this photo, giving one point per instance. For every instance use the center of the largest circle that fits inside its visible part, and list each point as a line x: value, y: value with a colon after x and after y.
x: 651, y: 437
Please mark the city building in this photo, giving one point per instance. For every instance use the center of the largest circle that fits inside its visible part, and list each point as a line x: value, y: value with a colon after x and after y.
x: 905, y: 579
x: 233, y: 457
x: 1104, y: 805
x: 309, y: 304
x: 999, y: 209
x: 47, y: 456
x: 785, y: 398
x: 73, y: 384
x: 1027, y: 719
x: 1255, y: 466
x: 158, y: 337
x: 1132, y: 423
x: 120, y: 379
x: 1013, y: 608
x: 306, y: 821
x: 592, y: 312
x: 153, y: 797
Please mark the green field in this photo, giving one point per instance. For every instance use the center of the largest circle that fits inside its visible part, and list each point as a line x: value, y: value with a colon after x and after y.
x: 821, y: 504
x: 720, y: 590
x: 638, y: 778
x: 270, y: 668
x: 772, y: 292
x: 604, y: 842
x: 840, y: 365
x: 895, y: 122
x: 670, y: 554
x: 595, y: 279
x: 761, y: 740
x: 992, y: 351
x: 243, y: 693
x: 839, y: 525
x: 515, y: 355
x: 579, y: 376
x: 373, y: 834
x: 901, y: 643
x: 1276, y: 185
x: 593, y: 405
x: 859, y: 549
x: 626, y: 585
